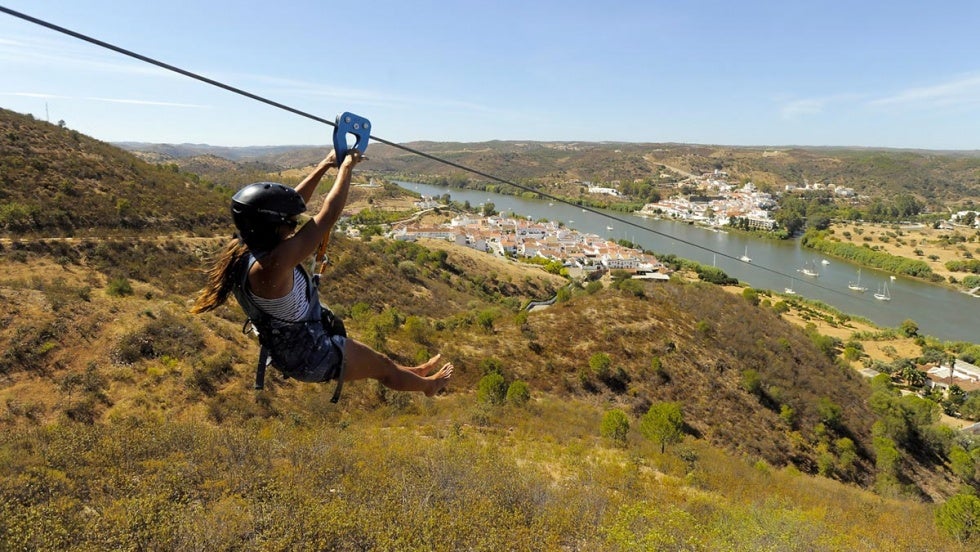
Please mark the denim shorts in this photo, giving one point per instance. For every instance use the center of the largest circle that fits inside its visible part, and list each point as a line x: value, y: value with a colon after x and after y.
x: 306, y: 353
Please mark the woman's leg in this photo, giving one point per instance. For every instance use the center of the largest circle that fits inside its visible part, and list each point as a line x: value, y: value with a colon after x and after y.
x: 364, y: 362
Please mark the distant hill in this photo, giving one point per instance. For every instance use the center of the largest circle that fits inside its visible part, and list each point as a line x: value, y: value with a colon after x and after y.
x: 936, y: 177
x: 57, y: 181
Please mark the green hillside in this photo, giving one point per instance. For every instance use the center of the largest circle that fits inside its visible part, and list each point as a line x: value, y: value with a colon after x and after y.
x: 56, y: 181
x: 128, y: 423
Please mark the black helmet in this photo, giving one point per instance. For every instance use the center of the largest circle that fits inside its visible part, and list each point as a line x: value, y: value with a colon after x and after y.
x: 259, y: 209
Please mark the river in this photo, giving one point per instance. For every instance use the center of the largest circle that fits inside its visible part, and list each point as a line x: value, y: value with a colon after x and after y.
x: 938, y: 311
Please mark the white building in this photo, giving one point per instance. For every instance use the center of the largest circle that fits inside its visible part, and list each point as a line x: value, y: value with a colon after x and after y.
x: 963, y: 374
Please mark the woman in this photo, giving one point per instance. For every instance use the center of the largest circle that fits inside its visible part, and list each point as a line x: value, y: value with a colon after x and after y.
x: 261, y: 267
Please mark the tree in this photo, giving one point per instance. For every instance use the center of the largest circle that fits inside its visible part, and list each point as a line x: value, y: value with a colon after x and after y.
x: 959, y: 517
x: 962, y: 463
x: 663, y: 423
x: 830, y: 412
x: 615, y: 426
x: 909, y: 328
x: 600, y: 364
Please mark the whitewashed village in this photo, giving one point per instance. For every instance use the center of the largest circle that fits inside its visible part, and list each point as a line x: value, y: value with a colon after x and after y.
x: 584, y: 255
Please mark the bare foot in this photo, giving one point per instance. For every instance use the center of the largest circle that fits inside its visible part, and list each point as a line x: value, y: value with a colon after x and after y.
x: 427, y: 368
x: 439, y: 379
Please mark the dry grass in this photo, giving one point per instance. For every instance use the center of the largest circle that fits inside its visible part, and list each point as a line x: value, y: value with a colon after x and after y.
x: 703, y: 341
x: 904, y: 241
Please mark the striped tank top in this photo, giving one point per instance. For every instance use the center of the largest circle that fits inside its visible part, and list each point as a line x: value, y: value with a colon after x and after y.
x: 291, y: 307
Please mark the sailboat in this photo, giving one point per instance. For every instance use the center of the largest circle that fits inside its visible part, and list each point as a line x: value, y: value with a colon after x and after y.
x: 789, y: 289
x: 746, y: 257
x: 882, y: 294
x: 856, y: 286
x: 808, y: 270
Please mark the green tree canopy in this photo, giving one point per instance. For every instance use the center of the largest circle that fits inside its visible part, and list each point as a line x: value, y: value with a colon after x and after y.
x: 663, y: 423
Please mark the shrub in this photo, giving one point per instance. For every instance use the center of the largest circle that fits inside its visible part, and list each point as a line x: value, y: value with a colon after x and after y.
x: 492, y: 389
x: 615, y: 426
x: 830, y: 412
x: 485, y: 318
x: 408, y: 269
x: 518, y: 393
x: 491, y: 365
x: 752, y: 382
x: 600, y: 364
x: 119, y: 287
x: 167, y: 335
x: 751, y: 295
x: 418, y: 329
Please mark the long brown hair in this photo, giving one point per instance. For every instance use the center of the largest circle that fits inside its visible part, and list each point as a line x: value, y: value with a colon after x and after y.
x: 222, y: 277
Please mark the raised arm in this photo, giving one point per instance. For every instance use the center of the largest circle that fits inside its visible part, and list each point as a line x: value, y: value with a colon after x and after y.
x: 306, y: 188
x: 273, y: 272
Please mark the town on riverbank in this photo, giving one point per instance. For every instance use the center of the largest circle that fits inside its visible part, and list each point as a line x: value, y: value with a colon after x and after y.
x: 552, y: 242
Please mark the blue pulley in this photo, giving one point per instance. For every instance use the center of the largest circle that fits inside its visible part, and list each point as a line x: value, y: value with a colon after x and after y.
x: 348, y: 123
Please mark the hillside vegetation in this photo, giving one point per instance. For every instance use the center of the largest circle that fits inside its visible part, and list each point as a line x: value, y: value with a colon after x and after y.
x: 130, y: 424
x: 934, y: 177
x: 56, y: 181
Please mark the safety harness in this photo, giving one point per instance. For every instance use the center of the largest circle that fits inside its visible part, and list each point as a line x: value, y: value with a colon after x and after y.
x: 278, y: 335
x: 274, y: 333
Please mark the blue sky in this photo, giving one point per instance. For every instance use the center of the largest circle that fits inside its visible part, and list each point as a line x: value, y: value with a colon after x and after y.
x: 821, y: 73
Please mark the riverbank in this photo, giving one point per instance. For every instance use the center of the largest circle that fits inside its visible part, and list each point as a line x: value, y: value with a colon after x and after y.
x: 933, y: 246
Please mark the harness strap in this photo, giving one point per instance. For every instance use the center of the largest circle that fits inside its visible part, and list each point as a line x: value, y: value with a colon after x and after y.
x: 340, y: 380
x: 264, y: 360
x: 320, y: 261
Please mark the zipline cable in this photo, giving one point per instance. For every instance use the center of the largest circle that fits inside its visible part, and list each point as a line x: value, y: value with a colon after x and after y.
x: 402, y: 147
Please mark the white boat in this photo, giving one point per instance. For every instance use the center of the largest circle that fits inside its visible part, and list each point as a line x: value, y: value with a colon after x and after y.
x: 856, y: 286
x: 788, y: 290
x: 745, y: 257
x: 609, y: 228
x: 825, y: 262
x: 809, y: 271
x: 892, y: 278
x: 882, y: 294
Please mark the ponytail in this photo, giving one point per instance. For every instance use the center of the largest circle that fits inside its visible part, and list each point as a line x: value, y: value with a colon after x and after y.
x: 222, y: 277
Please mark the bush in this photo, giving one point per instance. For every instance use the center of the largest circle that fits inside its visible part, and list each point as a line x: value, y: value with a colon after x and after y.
x: 485, y: 318
x: 418, y: 329
x: 518, y: 393
x: 408, y: 269
x: 615, y: 426
x: 600, y: 364
x: 752, y: 382
x: 119, y: 287
x: 492, y: 389
x: 167, y: 335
